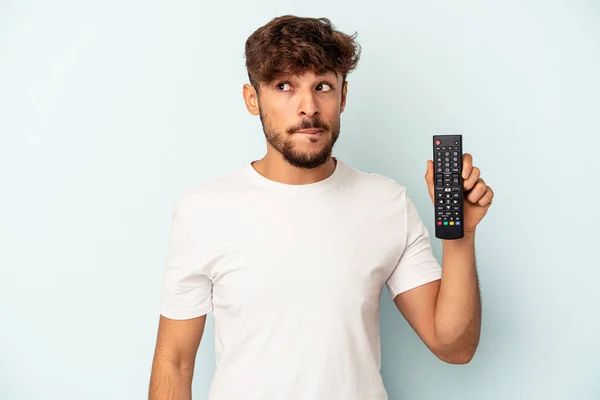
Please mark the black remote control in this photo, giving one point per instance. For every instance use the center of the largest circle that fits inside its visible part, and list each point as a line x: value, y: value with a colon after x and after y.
x: 448, y: 186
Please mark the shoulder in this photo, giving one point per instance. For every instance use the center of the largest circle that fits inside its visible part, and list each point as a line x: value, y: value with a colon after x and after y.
x: 375, y: 184
x: 213, y: 191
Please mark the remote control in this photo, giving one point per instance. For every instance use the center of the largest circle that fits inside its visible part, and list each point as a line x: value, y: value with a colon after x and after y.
x: 448, y: 186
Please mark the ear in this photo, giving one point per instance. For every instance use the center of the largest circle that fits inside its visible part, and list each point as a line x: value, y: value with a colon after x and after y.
x: 251, y: 99
x: 344, y: 92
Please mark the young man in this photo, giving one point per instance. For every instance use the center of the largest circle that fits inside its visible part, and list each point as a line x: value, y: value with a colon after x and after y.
x: 291, y: 252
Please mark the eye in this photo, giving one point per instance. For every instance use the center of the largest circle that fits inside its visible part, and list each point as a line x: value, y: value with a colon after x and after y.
x: 325, y: 87
x: 281, y: 86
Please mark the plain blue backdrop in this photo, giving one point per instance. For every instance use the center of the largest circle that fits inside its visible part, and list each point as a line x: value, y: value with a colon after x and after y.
x: 110, y: 110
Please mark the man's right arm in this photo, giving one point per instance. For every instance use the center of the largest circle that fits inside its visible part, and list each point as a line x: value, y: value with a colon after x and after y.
x: 174, y: 357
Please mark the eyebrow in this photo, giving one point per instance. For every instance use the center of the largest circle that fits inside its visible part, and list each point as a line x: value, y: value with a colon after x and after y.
x: 293, y: 78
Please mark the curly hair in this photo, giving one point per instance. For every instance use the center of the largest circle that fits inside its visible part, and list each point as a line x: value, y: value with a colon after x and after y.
x: 296, y: 45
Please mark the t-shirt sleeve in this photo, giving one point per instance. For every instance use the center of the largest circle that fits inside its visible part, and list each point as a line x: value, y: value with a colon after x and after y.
x: 187, y: 289
x: 417, y: 265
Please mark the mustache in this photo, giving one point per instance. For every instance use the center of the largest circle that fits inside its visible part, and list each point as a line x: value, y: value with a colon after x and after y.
x: 309, y: 124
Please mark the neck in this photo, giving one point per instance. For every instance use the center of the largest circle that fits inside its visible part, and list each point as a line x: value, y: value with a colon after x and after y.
x: 277, y: 169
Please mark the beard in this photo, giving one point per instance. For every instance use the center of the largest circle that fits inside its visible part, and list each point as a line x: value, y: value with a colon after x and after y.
x: 299, y: 158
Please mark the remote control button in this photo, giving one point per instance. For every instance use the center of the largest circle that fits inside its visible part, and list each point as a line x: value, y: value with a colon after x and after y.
x: 445, y: 222
x: 457, y: 222
x: 439, y: 222
x: 451, y: 222
x: 455, y: 170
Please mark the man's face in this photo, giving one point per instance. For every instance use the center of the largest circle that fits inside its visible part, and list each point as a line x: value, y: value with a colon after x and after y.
x: 301, y: 116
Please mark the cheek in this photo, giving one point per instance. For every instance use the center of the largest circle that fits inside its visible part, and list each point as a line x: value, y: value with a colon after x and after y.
x: 282, y: 109
x: 331, y: 107
x: 281, y: 116
x: 275, y: 122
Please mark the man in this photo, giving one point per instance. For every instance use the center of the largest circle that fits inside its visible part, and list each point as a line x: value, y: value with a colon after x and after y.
x: 291, y: 252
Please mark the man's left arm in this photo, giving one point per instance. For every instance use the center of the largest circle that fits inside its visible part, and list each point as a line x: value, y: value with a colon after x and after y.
x: 446, y: 313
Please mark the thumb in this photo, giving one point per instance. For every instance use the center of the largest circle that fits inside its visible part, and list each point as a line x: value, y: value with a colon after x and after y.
x: 429, y: 179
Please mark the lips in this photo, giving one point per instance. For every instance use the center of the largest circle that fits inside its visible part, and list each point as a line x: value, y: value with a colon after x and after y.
x: 311, y: 131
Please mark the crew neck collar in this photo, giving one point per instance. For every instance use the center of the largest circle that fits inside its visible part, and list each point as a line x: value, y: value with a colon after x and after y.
x: 286, y: 187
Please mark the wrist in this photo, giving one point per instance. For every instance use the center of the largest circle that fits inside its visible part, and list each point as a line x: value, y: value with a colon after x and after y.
x: 468, y: 238
x: 469, y: 234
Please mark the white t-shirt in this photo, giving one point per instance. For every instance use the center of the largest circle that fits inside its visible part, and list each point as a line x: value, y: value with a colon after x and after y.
x: 293, y: 276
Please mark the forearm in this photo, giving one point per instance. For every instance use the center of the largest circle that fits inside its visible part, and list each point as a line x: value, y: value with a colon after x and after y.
x: 168, y: 382
x: 458, y: 306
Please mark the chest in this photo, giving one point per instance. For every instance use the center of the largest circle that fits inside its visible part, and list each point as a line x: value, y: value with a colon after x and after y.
x: 320, y: 257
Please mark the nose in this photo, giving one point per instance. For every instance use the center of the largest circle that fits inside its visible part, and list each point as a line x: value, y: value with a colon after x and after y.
x: 308, y: 106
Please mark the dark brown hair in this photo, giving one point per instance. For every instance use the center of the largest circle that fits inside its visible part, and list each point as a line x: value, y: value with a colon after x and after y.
x: 296, y: 45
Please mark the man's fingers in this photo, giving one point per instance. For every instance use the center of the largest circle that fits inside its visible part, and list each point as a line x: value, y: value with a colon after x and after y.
x: 479, y: 190
x: 429, y: 178
x: 429, y: 172
x: 487, y: 198
x: 472, y: 180
x: 467, y: 165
